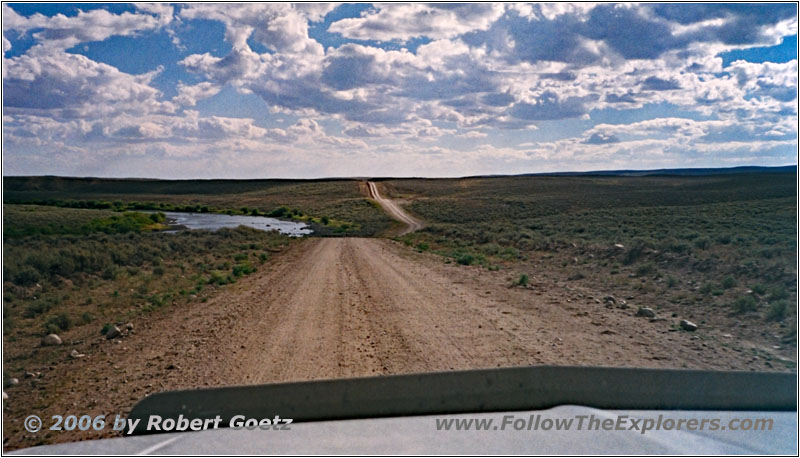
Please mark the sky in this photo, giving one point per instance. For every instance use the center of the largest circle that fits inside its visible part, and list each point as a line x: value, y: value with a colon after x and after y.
x: 209, y: 90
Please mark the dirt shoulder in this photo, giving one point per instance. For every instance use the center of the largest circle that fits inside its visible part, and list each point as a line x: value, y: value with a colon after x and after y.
x: 334, y: 308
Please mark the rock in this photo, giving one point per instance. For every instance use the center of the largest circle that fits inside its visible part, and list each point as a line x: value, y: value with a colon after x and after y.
x: 687, y: 325
x: 619, y: 245
x: 75, y: 354
x: 5, y: 396
x: 129, y: 326
x: 611, y: 299
x: 622, y: 304
x: 13, y: 381
x: 51, y: 339
x: 113, y: 332
x: 646, y: 312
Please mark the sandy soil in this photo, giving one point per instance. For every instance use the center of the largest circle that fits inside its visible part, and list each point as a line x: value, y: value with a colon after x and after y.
x: 331, y: 308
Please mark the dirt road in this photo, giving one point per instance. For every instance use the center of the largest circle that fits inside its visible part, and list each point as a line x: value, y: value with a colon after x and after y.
x: 346, y: 307
x: 395, y: 211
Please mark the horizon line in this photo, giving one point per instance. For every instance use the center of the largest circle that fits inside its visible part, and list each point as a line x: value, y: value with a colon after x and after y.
x: 488, y: 175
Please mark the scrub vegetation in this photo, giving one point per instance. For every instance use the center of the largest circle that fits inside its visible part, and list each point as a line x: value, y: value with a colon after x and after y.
x: 721, y: 245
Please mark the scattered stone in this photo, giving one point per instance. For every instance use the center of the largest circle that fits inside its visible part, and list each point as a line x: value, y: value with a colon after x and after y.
x: 51, y: 339
x: 113, y: 332
x: 611, y: 299
x: 13, y: 381
x: 75, y: 354
x: 5, y: 396
x: 622, y: 304
x: 687, y: 325
x: 129, y: 326
x: 646, y: 312
x: 619, y: 245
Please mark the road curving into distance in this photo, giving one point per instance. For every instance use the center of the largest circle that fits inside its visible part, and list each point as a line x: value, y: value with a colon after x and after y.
x: 395, y: 211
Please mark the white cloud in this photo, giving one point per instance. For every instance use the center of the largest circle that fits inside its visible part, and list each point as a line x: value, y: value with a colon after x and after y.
x: 189, y: 95
x: 74, y: 86
x: 478, y: 70
x: 403, y: 21
x: 64, y: 32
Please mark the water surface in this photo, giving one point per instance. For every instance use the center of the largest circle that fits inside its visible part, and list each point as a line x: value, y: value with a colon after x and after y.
x: 214, y: 221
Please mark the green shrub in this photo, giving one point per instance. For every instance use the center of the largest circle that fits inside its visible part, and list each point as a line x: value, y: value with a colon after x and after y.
x: 745, y: 304
x: 220, y: 278
x: 243, y: 269
x: 645, y: 269
x: 523, y: 280
x: 635, y: 252
x: 703, y: 243
x: 37, y: 308
x: 278, y: 212
x: 777, y: 310
x: 26, y: 276
x: 778, y: 293
x: 465, y: 259
x: 109, y: 273
x: 87, y: 318
x: 728, y: 282
x: 62, y: 322
x: 759, y: 289
x: 158, y: 217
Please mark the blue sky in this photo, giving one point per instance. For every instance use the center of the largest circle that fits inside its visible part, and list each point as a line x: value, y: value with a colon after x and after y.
x: 310, y: 90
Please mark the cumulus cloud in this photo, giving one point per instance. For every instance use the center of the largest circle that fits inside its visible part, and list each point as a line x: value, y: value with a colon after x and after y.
x: 451, y: 72
x: 73, y: 85
x: 189, y: 95
x: 654, y: 83
x: 549, y: 105
x: 403, y: 21
x: 601, y: 139
x: 63, y: 32
x: 279, y: 26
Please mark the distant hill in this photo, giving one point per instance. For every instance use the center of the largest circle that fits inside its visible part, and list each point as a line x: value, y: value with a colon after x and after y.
x: 184, y: 186
x: 682, y: 172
